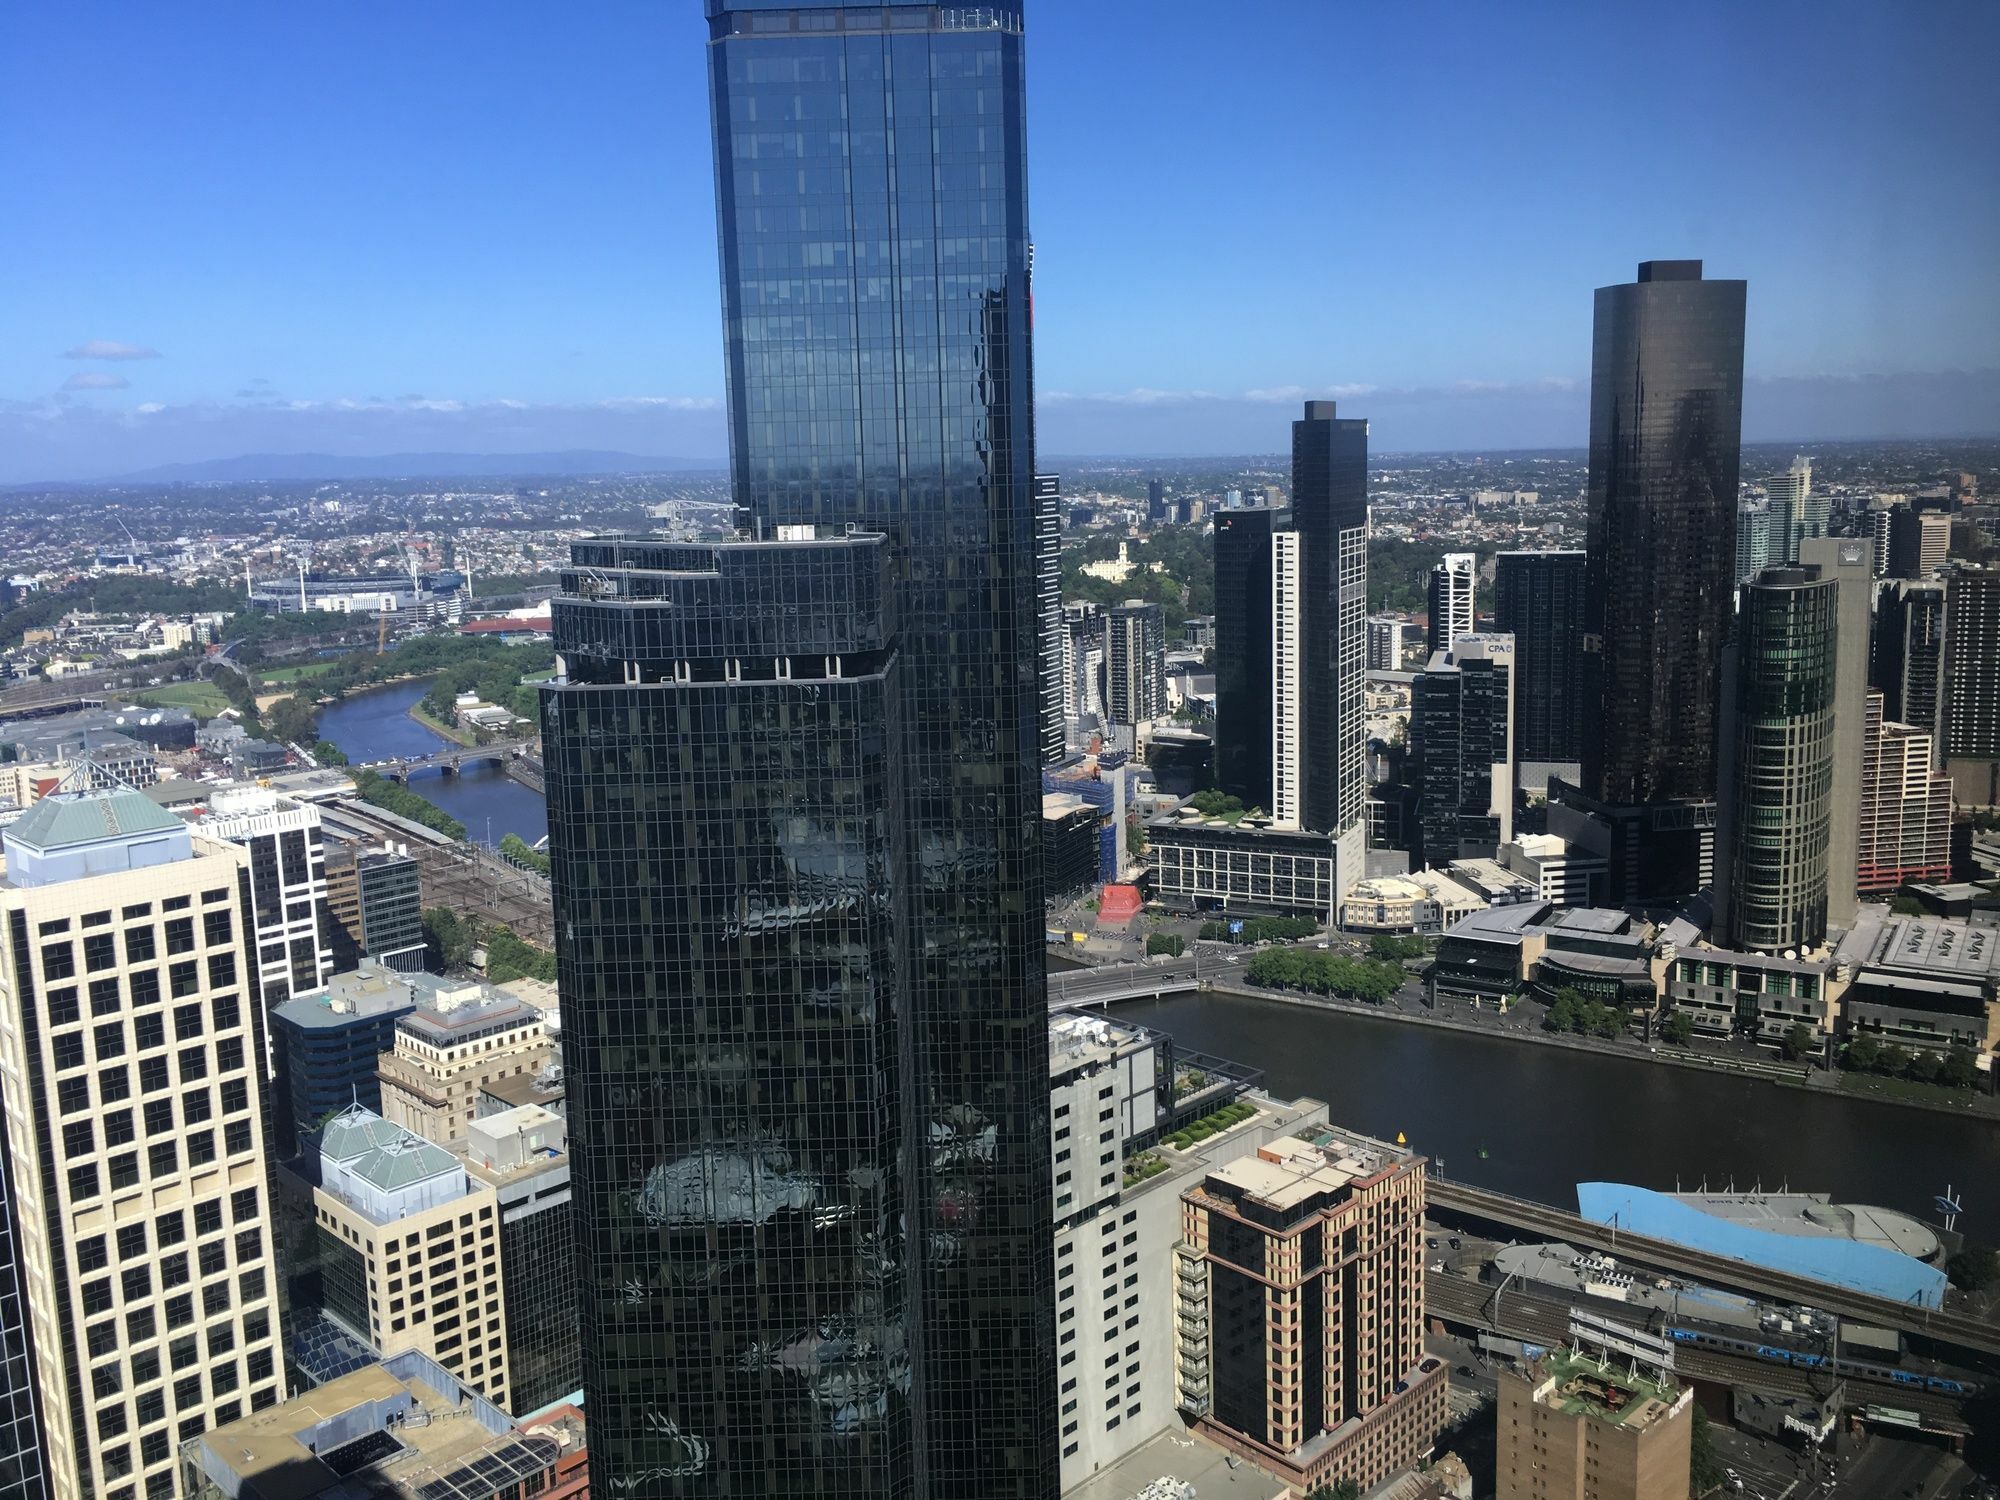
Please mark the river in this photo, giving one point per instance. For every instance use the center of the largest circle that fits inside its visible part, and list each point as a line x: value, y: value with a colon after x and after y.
x: 376, y: 725
x: 1550, y: 1117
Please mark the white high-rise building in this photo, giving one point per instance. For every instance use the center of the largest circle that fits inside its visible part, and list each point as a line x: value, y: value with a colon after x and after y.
x: 134, y: 1098
x: 1753, y: 538
x: 1452, y: 585
x: 1796, y: 513
x: 287, y: 885
x: 1287, y: 682
x: 1386, y: 634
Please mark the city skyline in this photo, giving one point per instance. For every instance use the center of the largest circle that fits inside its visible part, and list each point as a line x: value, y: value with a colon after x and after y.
x: 377, y: 303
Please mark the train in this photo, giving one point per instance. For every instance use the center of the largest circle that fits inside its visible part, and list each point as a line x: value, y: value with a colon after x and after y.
x: 1806, y: 1359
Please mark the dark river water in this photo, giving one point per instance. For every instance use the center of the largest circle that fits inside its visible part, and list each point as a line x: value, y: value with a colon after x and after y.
x: 376, y: 725
x: 1547, y: 1118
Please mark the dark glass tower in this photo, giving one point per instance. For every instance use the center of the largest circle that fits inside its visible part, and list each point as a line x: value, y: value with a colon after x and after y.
x: 1538, y: 599
x: 1243, y: 652
x: 1330, y: 514
x: 1666, y: 404
x: 1908, y: 652
x: 1779, y: 726
x: 795, y: 835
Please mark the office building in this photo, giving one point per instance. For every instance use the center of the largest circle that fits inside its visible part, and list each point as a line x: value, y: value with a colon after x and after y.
x: 327, y: 1046
x: 1971, y: 711
x: 1795, y: 514
x: 1461, y: 736
x: 1250, y: 865
x: 1844, y: 561
x: 1779, y: 722
x: 1049, y: 614
x: 1558, y: 870
x: 457, y: 1040
x: 1330, y: 516
x: 390, y: 1238
x: 1453, y: 583
x: 23, y: 1475
x: 1083, y: 662
x: 1156, y: 501
x: 1243, y: 644
x: 1666, y: 398
x: 1538, y: 598
x: 405, y: 1428
x: 1300, y: 1290
x: 854, y: 903
x: 1908, y: 664
x: 1923, y: 982
x: 1753, y: 538
x: 287, y: 881
x: 1071, y: 830
x: 1905, y: 833
x: 1576, y: 1425
x: 375, y: 898
x: 1386, y: 635
x: 1135, y: 665
x: 1919, y: 542
x: 131, y: 1065
x: 522, y: 1153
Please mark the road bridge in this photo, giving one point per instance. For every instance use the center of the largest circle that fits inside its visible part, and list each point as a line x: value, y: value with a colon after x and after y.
x: 450, y: 762
x: 1108, y: 984
x: 1950, y: 1330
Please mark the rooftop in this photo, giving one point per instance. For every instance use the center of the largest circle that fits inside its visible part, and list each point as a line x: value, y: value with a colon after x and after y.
x: 1940, y: 947
x: 372, y: 990
x: 1577, y: 1383
x: 66, y: 819
x: 1287, y: 1173
x: 380, y: 1431
x: 1501, y: 923
x: 1079, y: 1042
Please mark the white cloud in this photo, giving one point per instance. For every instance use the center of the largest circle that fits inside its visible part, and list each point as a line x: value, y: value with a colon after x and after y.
x: 95, y: 380
x: 151, y: 408
x: 110, y: 349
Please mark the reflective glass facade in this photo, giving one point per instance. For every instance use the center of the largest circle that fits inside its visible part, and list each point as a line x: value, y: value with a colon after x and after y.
x: 1243, y: 652
x: 1666, y: 417
x: 1330, y: 514
x: 1538, y: 599
x: 1778, y: 798
x: 795, y: 819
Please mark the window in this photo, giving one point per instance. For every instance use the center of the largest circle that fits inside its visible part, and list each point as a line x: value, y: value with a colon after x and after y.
x: 124, y: 1171
x: 145, y: 986
x: 131, y: 1241
x: 104, y: 997
x: 62, y: 1006
x: 201, y: 1147
x: 139, y: 1325
x: 82, y: 1182
x: 243, y: 1203
x: 221, y: 970
x: 159, y: 1116
x: 184, y: 978
x: 187, y: 1022
x: 180, y: 935
x: 73, y: 1095
x: 194, y: 1063
x: 109, y: 1040
x: 207, y: 1217
x: 148, y: 1032
x: 113, y: 1084
x: 68, y: 1049
x: 215, y: 928
x: 171, y: 1228
x: 140, y: 945
x: 100, y: 952
x: 79, y: 1138
x: 58, y: 961
x: 152, y: 1075
x: 163, y: 1158
x: 236, y: 1098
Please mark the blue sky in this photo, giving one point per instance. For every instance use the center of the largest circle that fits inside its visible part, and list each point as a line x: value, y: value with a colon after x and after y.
x: 376, y: 227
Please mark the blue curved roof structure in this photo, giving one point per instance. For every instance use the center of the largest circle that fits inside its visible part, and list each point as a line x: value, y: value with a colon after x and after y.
x: 1839, y: 1262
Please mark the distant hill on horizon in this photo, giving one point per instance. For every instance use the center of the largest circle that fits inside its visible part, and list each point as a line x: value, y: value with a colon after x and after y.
x: 568, y: 462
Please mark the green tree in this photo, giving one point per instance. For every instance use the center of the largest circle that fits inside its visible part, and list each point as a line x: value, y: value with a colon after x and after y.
x: 1960, y: 1070
x: 1214, y: 804
x: 1562, y: 1012
x: 518, y: 851
x: 507, y: 957
x: 293, y: 720
x: 1705, y: 1468
x: 1391, y: 949
x: 1906, y: 906
x: 1863, y: 1053
x: 1135, y: 838
x: 1925, y: 1066
x: 327, y: 753
x: 1799, y: 1041
x: 1973, y: 1268
x: 404, y: 803
x: 1894, y: 1061
x: 1170, y: 943
x: 1678, y: 1028
x: 448, y: 939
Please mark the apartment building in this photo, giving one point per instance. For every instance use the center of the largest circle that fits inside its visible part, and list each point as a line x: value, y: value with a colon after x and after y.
x: 1300, y: 1292
x: 131, y: 1066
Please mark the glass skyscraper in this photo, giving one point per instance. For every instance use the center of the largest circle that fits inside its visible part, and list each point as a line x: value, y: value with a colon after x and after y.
x: 1666, y: 409
x: 1243, y: 668
x: 1779, y: 725
x: 795, y: 818
x: 1330, y: 514
x: 1538, y: 599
